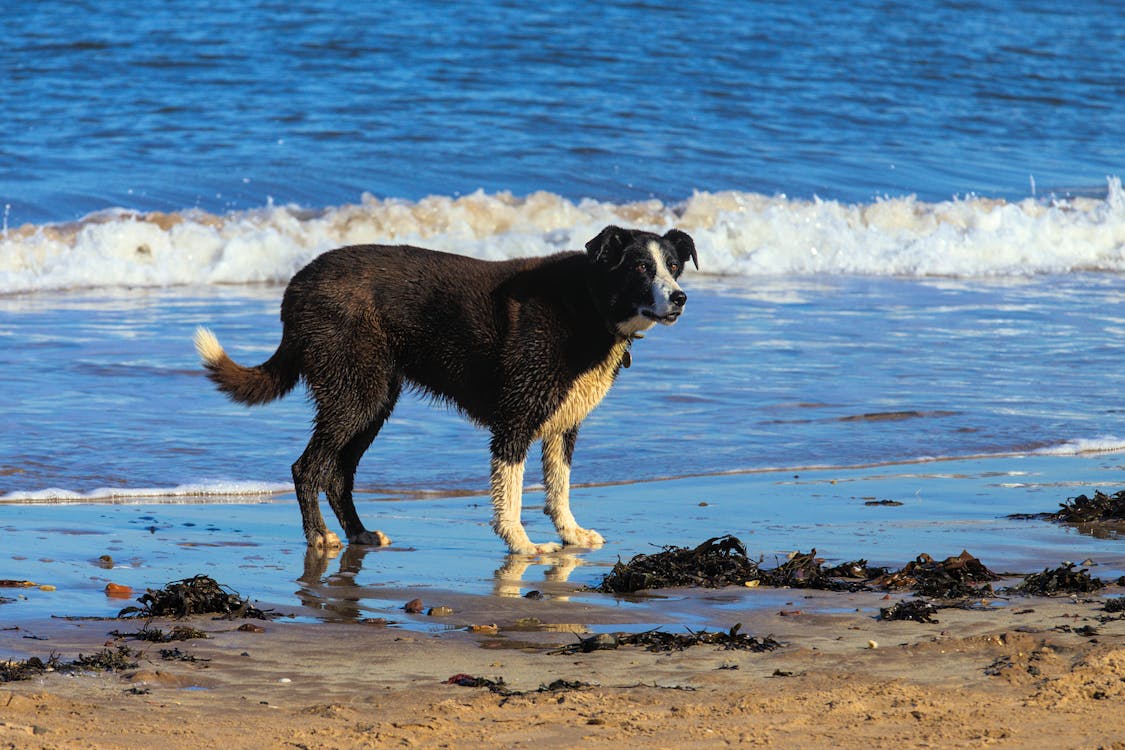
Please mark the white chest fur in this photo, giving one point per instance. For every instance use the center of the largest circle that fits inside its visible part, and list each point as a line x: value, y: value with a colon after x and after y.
x: 585, y: 393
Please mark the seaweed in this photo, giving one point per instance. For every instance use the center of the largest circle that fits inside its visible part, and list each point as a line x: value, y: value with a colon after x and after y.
x: 659, y: 641
x: 1083, y: 509
x: 156, y: 635
x: 106, y: 660
x: 719, y: 561
x: 952, y: 578
x: 722, y: 561
x: 11, y: 671
x: 499, y: 687
x: 193, y: 596
x: 1115, y: 605
x: 913, y: 609
x: 1062, y: 580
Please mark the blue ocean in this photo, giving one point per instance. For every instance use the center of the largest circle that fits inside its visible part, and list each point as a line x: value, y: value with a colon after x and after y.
x: 910, y: 222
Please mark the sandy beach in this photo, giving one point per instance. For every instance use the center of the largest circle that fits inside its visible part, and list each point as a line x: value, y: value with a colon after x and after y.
x: 1029, y: 672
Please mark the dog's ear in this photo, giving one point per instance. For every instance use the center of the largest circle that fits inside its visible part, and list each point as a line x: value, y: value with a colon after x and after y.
x: 685, y: 246
x: 609, y: 246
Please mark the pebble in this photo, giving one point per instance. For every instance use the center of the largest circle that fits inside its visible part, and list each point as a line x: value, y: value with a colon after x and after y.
x: 873, y: 644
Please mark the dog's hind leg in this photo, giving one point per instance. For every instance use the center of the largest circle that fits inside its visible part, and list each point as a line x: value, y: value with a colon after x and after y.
x: 308, y: 477
x: 508, y: 458
x: 338, y: 484
x: 558, y: 452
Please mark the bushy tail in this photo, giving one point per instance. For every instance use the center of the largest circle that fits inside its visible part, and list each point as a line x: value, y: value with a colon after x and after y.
x: 248, y: 385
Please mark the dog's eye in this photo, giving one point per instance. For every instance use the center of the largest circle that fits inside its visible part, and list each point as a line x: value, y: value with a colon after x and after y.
x: 642, y: 268
x: 674, y: 267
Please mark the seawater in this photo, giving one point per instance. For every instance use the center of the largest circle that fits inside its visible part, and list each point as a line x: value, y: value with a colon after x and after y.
x: 104, y: 396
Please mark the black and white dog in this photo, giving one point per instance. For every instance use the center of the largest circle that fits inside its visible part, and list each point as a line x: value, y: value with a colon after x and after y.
x: 526, y: 348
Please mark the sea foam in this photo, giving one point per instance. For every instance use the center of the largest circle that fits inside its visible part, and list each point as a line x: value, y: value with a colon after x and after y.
x: 736, y: 233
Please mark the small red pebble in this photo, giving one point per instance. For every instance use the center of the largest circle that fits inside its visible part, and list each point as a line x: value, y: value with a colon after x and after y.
x: 118, y: 591
x: 414, y: 607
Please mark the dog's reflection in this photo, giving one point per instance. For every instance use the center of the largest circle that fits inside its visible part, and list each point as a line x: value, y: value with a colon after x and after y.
x: 339, y: 594
x: 509, y: 578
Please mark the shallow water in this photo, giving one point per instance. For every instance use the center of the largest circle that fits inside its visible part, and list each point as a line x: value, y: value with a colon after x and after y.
x: 104, y: 394
x: 445, y: 552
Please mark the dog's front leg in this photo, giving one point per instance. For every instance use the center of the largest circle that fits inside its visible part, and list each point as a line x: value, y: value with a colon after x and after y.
x: 507, y: 499
x: 558, y: 452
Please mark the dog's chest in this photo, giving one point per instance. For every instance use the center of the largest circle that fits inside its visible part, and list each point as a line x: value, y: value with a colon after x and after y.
x: 585, y: 393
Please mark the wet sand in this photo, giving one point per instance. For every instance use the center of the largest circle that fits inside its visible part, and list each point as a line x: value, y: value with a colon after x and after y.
x: 1015, y: 676
x: 1009, y: 673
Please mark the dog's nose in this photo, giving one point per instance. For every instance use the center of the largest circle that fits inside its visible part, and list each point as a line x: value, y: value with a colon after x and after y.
x: 678, y: 298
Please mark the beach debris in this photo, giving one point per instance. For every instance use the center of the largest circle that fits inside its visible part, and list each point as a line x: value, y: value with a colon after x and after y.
x: 1115, y: 605
x: 8, y: 583
x: 951, y: 578
x: 1101, y: 507
x: 719, y: 561
x: 1083, y: 509
x: 441, y: 611
x: 104, y: 561
x: 887, y: 503
x: 156, y: 635
x: 193, y: 596
x: 250, y: 628
x: 659, y: 641
x: 485, y: 629
x: 873, y: 644
x: 1062, y: 580
x: 118, y: 591
x: 414, y: 607
x: 106, y: 660
x: 499, y: 687
x: 174, y: 654
x: 917, y: 610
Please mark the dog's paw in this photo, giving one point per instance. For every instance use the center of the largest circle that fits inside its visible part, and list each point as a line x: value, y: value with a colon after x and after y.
x: 581, y: 537
x: 531, y: 548
x: 371, y: 539
x: 325, y: 540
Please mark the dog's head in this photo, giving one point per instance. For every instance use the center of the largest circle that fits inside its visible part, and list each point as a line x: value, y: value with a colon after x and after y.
x: 634, y: 276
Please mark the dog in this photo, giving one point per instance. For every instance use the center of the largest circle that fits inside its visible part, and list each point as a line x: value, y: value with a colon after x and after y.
x: 525, y: 348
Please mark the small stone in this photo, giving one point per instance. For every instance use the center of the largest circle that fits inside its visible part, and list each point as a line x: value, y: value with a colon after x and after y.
x: 414, y: 606
x: 752, y: 584
x: 47, y: 587
x: 485, y: 629
x: 873, y: 644
x: 251, y: 628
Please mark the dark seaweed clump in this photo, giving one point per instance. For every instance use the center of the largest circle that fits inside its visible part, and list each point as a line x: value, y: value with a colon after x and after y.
x: 1115, y: 605
x: 720, y: 561
x: 917, y: 610
x: 106, y: 660
x: 193, y: 596
x: 1062, y: 580
x: 1100, y: 507
x: 951, y: 578
x: 660, y: 642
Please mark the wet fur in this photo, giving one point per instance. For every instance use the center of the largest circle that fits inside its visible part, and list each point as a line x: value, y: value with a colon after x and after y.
x: 525, y: 348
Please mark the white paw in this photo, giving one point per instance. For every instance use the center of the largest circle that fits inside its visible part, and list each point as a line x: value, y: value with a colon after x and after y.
x: 371, y: 539
x: 325, y: 540
x: 531, y: 548
x: 580, y: 537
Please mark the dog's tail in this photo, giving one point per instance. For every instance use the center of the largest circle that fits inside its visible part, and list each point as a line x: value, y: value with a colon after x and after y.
x: 248, y: 385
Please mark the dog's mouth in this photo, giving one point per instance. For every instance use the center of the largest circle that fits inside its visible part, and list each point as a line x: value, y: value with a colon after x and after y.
x: 667, y: 319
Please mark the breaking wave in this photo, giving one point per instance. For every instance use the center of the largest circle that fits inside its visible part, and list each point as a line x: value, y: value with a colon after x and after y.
x: 736, y: 233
